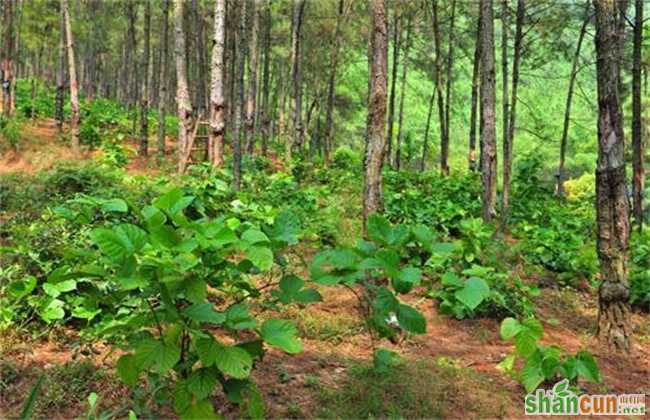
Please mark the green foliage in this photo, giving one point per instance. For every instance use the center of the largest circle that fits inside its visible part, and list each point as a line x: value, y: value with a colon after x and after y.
x: 381, y: 265
x: 542, y: 364
x: 640, y: 270
x: 346, y: 158
x: 11, y: 130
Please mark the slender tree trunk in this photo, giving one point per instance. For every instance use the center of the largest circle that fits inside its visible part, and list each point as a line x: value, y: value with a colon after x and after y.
x: 560, y: 176
x: 400, y: 131
x: 130, y: 52
x: 252, y: 79
x: 266, y: 112
x: 372, y: 192
x: 504, y: 80
x: 298, y: 9
x: 397, y: 46
x: 201, y: 90
x: 444, y: 140
x: 217, y: 96
x: 72, y: 71
x: 507, y: 146
x: 144, y: 99
x: 425, y: 145
x: 164, y: 64
x: 612, y: 207
x: 637, y: 130
x: 488, y: 114
x: 449, y: 86
x: 182, y: 91
x: 471, y: 156
x: 8, y: 83
x: 331, y: 83
x: 239, y: 106
x: 60, y: 76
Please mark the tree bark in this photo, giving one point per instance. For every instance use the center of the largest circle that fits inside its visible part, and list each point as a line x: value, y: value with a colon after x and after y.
x: 217, y: 96
x: 164, y: 64
x: 612, y: 207
x: 559, y: 177
x: 297, y: 138
x: 252, y: 79
x: 509, y: 141
x: 331, y: 83
x: 239, y: 96
x: 471, y: 156
x: 72, y: 71
x: 449, y: 86
x: 400, y: 131
x: 265, y: 115
x: 444, y: 140
x: 637, y: 130
x: 60, y: 76
x: 201, y: 94
x: 504, y: 80
x: 425, y: 145
x: 184, y: 106
x: 144, y: 98
x: 8, y: 83
x: 488, y: 115
x: 397, y: 46
x: 372, y: 192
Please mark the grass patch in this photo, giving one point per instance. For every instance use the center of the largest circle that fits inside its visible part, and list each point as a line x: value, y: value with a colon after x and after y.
x: 325, y: 326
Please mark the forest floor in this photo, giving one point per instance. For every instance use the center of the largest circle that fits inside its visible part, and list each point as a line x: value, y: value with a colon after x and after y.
x: 451, y: 371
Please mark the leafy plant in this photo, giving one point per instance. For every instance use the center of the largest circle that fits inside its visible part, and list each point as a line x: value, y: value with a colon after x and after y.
x: 380, y: 266
x: 153, y: 278
x: 542, y: 364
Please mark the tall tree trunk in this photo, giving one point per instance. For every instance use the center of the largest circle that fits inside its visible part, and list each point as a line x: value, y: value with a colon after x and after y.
x: 60, y: 76
x: 449, y: 86
x: 612, y: 207
x: 239, y: 96
x: 504, y: 80
x: 144, y: 99
x: 298, y: 8
x: 8, y: 83
x: 397, y: 46
x: 164, y: 64
x: 72, y: 71
x: 372, y: 191
x: 471, y: 155
x: 131, y: 70
x: 559, y: 177
x: 400, y: 131
x: 265, y: 116
x: 637, y: 131
x: 217, y: 96
x: 331, y: 83
x: 444, y: 141
x: 182, y: 91
x: 425, y: 144
x: 488, y: 114
x: 252, y: 79
x: 201, y: 90
x: 508, y: 145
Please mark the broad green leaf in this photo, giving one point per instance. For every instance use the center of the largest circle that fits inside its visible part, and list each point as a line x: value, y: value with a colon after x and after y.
x: 531, y: 377
x: 201, y: 383
x: 451, y: 279
x: 199, y: 410
x: 238, y: 318
x: 254, y: 236
x: 56, y: 289
x: 20, y: 289
x: 128, y: 369
x: 510, y: 327
x: 379, y: 228
x: 306, y: 296
x: 261, y: 256
x: 115, y: 204
x: 153, y: 217
x: 285, y: 228
x: 507, y: 364
x: 53, y: 311
x: 281, y: 334
x: 587, y: 367
x: 204, y: 312
x: 234, y: 361
x: 156, y: 354
x: 291, y: 284
x: 406, y: 279
x: 473, y: 292
x: 195, y: 290
x: 411, y: 319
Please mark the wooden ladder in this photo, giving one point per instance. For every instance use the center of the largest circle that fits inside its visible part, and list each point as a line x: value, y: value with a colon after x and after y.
x: 199, y: 144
